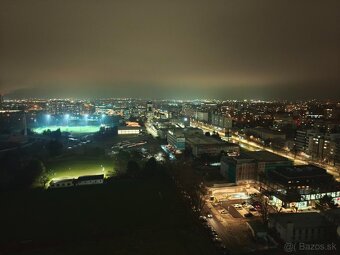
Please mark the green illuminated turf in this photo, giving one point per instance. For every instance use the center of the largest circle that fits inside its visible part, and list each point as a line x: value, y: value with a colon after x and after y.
x: 74, y: 169
x: 71, y: 129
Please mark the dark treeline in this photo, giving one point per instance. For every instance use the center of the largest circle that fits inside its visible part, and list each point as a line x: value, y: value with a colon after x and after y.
x: 132, y: 165
x: 18, y: 170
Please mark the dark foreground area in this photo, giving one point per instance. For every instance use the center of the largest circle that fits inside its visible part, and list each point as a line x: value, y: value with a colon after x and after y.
x: 121, y: 217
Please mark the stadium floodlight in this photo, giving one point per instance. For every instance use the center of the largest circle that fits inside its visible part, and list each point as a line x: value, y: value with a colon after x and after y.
x: 103, y: 116
x: 48, y: 116
x: 67, y: 116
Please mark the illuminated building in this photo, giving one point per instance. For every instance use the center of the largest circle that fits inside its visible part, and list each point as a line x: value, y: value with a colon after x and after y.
x: 90, y: 180
x: 126, y: 130
x: 247, y: 165
x: 221, y: 121
x: 299, y: 186
x: 202, y: 116
x: 64, y: 183
x: 176, y: 139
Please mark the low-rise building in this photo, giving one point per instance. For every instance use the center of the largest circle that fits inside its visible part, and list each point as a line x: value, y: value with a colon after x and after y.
x: 246, y: 166
x: 90, y: 179
x: 299, y: 187
x: 82, y: 180
x: 239, y: 168
x: 266, y: 134
x: 257, y: 229
x: 126, y: 130
x: 201, y: 144
x: 301, y: 227
x: 176, y: 137
x: 333, y: 216
x: 267, y: 161
x: 64, y: 183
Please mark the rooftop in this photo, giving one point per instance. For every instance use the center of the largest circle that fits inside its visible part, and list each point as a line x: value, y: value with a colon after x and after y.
x: 303, y: 170
x: 265, y: 156
x: 206, y: 140
x: 62, y: 180
x: 91, y: 177
x: 268, y: 131
x: 129, y: 127
x: 300, y: 220
x: 241, y: 157
x: 257, y: 226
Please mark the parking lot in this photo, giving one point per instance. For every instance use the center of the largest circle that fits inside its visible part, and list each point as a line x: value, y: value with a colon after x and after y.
x: 231, y: 208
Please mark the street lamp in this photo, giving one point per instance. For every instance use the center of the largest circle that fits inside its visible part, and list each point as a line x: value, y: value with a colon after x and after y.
x: 48, y: 117
x: 67, y: 116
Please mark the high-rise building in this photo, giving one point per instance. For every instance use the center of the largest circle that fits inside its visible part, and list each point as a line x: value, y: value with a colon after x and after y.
x: 221, y: 121
x: 1, y: 100
x: 302, y: 139
x: 202, y: 116
x: 149, y: 110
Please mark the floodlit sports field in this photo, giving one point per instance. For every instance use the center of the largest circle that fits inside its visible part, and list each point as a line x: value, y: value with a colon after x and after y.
x: 73, y: 169
x: 70, y: 129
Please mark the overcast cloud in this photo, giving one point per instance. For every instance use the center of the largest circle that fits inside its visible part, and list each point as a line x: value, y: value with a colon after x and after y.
x: 181, y: 49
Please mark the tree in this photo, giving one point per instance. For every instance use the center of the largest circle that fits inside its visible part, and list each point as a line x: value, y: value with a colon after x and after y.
x: 198, y: 192
x: 121, y: 159
x: 30, y: 173
x: 47, y: 132
x: 192, y: 184
x: 45, y: 177
x: 136, y: 155
x: 133, y: 169
x: 151, y: 167
x: 264, y: 210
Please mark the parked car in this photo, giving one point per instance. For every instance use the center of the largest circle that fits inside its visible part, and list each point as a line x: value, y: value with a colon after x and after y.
x: 206, y: 225
x: 217, y: 240
x: 203, y: 218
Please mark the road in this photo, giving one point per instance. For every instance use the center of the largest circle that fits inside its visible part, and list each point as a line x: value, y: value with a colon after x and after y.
x: 252, y: 146
x: 233, y: 231
x: 151, y: 129
x: 298, y: 160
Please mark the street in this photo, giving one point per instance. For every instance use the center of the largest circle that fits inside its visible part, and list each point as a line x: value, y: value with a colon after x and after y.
x: 233, y: 231
x: 252, y: 146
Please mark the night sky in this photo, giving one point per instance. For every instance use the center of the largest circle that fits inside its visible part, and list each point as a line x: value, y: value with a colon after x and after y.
x: 180, y: 49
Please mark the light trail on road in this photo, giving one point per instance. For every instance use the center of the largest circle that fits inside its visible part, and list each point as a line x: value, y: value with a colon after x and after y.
x: 297, y: 160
